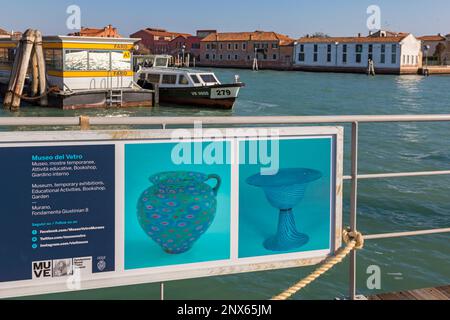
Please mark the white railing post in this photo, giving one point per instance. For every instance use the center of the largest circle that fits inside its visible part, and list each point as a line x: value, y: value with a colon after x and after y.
x: 353, y: 207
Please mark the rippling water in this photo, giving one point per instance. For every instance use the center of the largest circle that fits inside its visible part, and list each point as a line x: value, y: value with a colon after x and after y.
x: 384, y: 205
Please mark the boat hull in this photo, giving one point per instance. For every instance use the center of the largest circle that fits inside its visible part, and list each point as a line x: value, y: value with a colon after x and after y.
x: 221, y: 96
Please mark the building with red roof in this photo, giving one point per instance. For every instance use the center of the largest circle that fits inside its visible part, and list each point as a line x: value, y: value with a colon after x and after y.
x: 107, y: 32
x: 157, y: 41
x: 393, y: 53
x: 239, y: 49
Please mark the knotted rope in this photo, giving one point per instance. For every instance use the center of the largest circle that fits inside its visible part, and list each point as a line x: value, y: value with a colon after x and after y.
x: 354, y: 240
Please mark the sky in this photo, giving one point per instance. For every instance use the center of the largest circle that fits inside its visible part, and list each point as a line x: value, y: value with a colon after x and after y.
x: 295, y: 18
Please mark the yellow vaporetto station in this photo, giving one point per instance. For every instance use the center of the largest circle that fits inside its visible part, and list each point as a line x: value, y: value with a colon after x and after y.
x: 88, y: 71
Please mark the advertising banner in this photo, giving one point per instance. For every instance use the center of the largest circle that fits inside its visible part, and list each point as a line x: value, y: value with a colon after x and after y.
x: 95, y: 209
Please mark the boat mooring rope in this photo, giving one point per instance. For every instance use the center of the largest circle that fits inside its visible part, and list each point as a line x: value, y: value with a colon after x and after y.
x: 354, y: 240
x: 27, y: 98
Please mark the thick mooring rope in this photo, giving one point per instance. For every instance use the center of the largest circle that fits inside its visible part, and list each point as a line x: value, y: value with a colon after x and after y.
x: 353, y: 240
x: 27, y: 98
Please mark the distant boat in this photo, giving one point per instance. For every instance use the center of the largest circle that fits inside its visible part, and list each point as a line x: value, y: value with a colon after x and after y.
x: 184, y: 86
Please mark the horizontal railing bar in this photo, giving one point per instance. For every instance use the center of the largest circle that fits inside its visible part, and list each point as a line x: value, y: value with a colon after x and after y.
x: 400, y: 174
x: 35, y: 121
x: 405, y: 234
x: 39, y: 121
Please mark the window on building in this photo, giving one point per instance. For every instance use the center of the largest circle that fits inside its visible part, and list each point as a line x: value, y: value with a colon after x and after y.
x: 195, y: 46
x: 208, y: 46
x: 301, y: 55
x: 329, y: 53
x: 207, y: 56
x: 221, y: 46
x: 274, y: 57
x: 153, y: 78
x: 236, y: 46
x: 244, y: 46
x: 383, y: 54
x: 221, y: 57
x: 229, y: 46
x: 76, y: 60
x: 344, y: 53
x: 169, y: 79
x: 214, y: 57
x: 235, y: 57
x: 370, y: 52
x: 275, y: 46
x: 256, y: 46
x: 183, y: 80
x: 248, y: 58
x: 194, y: 78
x: 316, y: 49
x: 358, y: 53
x: 394, y: 54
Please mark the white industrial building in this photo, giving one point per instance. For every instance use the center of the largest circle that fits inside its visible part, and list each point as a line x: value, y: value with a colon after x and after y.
x: 394, y: 54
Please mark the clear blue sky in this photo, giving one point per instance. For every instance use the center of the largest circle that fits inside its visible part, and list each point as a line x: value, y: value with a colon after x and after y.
x: 292, y: 17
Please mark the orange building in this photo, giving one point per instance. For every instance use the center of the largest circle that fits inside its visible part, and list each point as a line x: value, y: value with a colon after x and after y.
x: 106, y: 32
x: 239, y: 49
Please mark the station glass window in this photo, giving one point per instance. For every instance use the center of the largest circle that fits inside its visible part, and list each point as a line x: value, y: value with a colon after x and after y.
x: 99, y: 60
x: 169, y: 79
x: 119, y: 62
x: 76, y: 60
x: 183, y: 80
x: 7, y: 56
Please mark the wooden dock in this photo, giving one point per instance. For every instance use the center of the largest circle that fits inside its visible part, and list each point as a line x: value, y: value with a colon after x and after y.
x: 440, y: 293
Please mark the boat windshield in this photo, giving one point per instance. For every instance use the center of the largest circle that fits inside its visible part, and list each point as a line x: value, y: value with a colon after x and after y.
x: 161, y: 62
x: 208, y: 78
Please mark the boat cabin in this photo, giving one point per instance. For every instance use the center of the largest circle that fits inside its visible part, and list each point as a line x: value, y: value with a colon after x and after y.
x: 175, y: 78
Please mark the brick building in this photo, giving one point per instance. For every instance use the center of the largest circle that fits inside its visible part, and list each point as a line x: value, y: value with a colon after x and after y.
x: 191, y: 46
x: 238, y: 50
x: 157, y: 41
x: 107, y: 32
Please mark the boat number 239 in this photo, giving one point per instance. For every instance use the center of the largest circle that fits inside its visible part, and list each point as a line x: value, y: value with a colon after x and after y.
x: 224, y: 92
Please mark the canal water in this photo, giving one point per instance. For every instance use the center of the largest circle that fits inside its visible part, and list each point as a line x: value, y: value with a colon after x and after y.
x: 384, y: 205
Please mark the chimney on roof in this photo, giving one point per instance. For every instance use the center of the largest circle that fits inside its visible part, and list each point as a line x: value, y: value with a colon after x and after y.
x: 307, y: 35
x: 359, y: 35
x: 370, y: 33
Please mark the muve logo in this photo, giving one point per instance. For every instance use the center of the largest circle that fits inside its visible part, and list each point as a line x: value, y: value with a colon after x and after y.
x: 42, y: 269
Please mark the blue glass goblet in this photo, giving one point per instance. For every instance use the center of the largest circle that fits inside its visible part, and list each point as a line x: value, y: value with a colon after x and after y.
x: 284, y: 191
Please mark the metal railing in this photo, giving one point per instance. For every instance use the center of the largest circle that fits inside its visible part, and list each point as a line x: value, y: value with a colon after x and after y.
x: 354, y: 177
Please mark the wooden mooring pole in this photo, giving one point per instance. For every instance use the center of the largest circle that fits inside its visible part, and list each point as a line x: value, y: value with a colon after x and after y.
x: 41, y: 68
x: 28, y: 50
